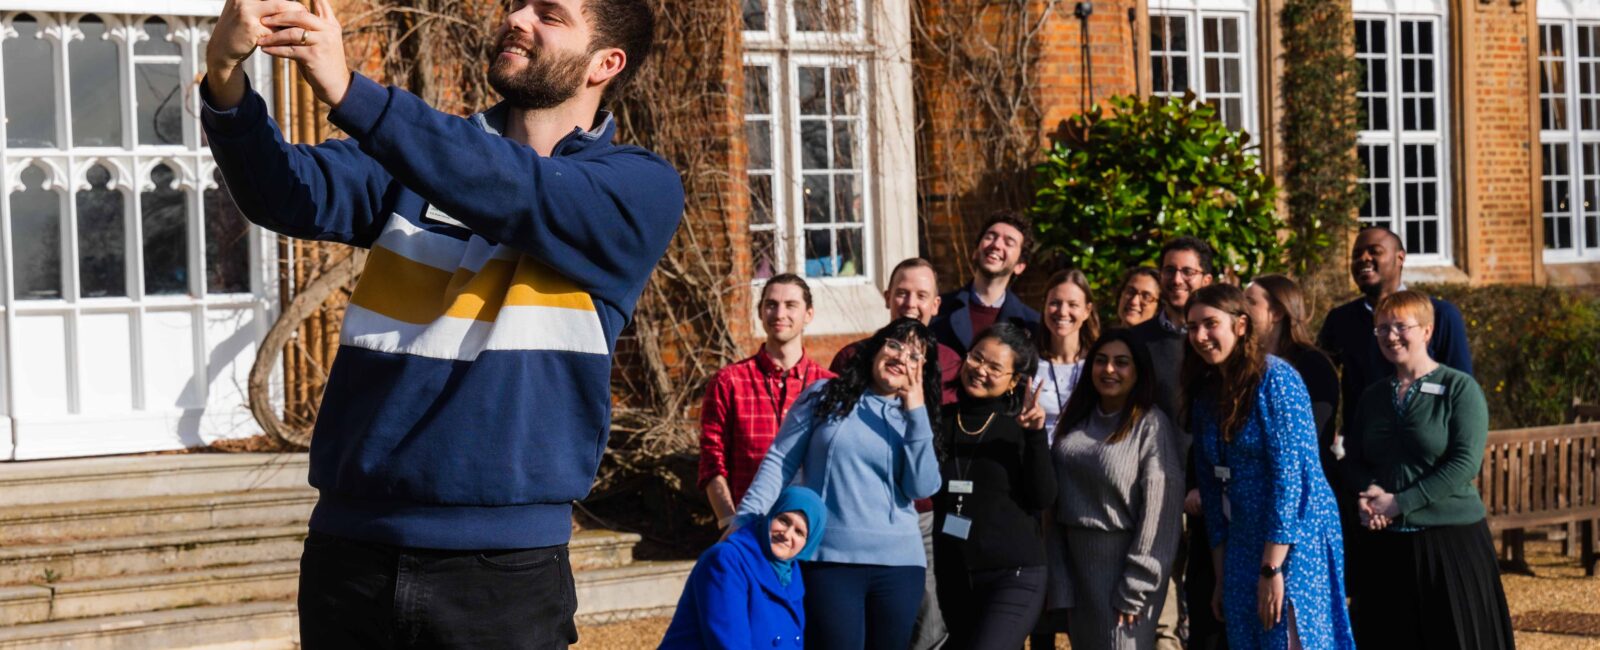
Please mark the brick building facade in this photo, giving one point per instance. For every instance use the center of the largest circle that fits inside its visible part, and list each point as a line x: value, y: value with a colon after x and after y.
x: 1481, y: 143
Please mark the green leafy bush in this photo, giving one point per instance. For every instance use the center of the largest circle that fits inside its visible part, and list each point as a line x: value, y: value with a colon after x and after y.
x: 1117, y: 184
x: 1533, y: 349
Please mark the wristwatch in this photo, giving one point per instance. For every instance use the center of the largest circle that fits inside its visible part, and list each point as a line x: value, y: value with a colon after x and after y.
x: 1269, y: 571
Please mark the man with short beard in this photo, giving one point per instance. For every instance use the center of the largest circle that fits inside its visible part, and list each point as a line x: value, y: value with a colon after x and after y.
x: 999, y: 256
x: 469, y: 404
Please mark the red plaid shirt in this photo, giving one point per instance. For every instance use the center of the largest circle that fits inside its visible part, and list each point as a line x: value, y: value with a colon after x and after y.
x: 744, y: 407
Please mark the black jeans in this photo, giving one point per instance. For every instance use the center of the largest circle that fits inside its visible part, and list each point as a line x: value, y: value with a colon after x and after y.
x: 991, y: 609
x: 357, y: 594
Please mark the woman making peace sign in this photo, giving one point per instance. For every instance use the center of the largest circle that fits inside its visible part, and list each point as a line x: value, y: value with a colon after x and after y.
x: 988, y: 546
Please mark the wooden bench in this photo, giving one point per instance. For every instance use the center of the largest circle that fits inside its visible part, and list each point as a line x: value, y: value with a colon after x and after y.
x: 1542, y: 476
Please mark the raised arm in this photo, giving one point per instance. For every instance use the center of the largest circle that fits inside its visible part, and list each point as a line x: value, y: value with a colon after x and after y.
x: 919, y: 476
x: 329, y: 192
x: 601, y: 222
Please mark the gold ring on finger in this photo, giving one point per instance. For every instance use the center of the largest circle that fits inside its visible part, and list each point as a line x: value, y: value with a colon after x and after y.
x: 302, y: 36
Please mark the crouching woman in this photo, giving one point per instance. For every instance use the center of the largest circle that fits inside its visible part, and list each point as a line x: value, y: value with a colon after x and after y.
x: 745, y: 591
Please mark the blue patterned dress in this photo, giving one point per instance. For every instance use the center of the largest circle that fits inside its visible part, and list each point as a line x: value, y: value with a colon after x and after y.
x: 1276, y: 493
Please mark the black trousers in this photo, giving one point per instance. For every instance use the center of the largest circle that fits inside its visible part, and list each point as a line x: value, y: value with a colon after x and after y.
x: 357, y: 594
x: 990, y: 608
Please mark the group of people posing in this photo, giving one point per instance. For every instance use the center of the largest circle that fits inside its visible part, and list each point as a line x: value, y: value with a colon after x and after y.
x: 975, y: 474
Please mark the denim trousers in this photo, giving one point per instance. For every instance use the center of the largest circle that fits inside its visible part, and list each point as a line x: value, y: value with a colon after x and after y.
x: 356, y: 594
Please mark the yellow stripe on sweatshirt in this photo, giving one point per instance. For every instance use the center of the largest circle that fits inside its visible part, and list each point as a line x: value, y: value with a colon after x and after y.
x: 412, y: 292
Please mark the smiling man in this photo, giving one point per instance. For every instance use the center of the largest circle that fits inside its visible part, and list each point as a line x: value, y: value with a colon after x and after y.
x: 1001, y: 254
x: 745, y: 402
x: 469, y: 404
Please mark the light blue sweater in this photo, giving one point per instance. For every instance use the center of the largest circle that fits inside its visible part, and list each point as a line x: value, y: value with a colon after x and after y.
x: 868, y: 467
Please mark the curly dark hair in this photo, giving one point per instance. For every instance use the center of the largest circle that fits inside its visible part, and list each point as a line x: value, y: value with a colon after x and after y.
x: 840, y: 396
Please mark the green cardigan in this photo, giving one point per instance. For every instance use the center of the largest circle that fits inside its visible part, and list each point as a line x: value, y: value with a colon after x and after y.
x: 1429, y: 457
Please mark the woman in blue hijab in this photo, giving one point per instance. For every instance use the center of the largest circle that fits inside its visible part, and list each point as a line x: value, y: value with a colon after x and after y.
x: 745, y: 591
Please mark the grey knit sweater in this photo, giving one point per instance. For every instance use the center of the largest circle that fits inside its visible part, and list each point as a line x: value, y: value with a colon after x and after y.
x: 1134, y: 485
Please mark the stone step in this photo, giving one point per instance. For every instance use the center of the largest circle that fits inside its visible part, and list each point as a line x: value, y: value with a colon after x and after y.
x: 592, y: 549
x: 151, y: 592
x: 159, y: 552
x: 638, y: 590
x: 134, y: 477
x: 119, y: 516
x: 245, y: 626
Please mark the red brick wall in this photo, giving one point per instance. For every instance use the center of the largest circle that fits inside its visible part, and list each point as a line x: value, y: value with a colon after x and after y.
x: 1495, y: 118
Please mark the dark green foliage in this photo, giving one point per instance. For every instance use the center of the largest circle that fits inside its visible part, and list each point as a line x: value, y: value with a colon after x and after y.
x: 1533, y: 349
x: 1118, y: 183
x: 1321, y: 118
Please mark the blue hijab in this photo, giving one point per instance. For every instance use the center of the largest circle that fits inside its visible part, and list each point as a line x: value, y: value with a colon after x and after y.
x: 793, y: 498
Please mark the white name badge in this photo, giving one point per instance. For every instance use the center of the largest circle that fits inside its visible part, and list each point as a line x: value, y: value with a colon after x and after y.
x: 960, y: 487
x: 1432, y: 388
x: 1222, y: 473
x: 957, y: 526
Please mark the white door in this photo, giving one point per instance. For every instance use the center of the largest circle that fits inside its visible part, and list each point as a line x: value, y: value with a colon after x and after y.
x: 134, y: 293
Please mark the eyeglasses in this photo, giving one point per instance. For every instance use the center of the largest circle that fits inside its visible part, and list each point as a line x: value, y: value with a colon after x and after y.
x: 1188, y: 272
x: 1130, y: 293
x: 1399, y: 329
x: 989, y: 368
x: 904, y: 351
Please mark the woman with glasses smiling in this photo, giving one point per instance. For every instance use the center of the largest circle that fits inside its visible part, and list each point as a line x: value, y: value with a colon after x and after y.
x: 1139, y: 296
x: 988, y: 545
x: 1412, y: 454
x: 864, y: 442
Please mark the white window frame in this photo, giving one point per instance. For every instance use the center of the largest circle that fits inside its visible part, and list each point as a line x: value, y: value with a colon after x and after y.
x: 1396, y: 137
x: 880, y: 46
x: 151, y: 421
x: 1195, y: 12
x: 1569, y: 15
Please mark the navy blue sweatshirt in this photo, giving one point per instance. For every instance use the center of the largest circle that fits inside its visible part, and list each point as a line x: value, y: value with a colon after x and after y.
x: 469, y: 403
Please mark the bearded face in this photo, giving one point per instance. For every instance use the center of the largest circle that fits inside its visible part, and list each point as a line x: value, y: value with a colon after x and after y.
x: 534, y: 79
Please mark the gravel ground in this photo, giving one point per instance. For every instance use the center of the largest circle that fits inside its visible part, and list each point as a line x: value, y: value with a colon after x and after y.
x: 1557, y: 594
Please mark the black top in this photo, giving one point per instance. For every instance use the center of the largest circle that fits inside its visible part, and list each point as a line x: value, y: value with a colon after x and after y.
x: 1323, y: 385
x: 1347, y: 338
x: 1012, y: 481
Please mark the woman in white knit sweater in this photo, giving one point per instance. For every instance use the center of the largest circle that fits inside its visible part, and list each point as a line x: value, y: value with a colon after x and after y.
x: 1119, y: 473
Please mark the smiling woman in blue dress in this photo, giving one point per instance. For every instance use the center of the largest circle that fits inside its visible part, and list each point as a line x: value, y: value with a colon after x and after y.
x: 1273, y: 526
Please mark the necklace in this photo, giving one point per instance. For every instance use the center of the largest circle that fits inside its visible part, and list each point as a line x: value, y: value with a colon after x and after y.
x: 986, y: 422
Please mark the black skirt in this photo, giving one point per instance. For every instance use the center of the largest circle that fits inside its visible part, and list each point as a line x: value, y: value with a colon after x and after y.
x: 1438, y: 588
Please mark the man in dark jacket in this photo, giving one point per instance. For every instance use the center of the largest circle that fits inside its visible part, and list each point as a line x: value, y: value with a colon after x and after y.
x: 1000, y: 255
x: 469, y: 403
